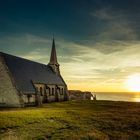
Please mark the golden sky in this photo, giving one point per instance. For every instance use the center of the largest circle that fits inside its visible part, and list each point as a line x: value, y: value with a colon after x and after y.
x: 88, y: 69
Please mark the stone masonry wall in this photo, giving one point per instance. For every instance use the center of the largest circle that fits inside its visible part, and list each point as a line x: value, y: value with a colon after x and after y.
x: 8, y: 93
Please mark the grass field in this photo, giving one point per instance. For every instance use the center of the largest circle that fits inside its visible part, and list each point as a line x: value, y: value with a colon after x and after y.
x: 72, y: 120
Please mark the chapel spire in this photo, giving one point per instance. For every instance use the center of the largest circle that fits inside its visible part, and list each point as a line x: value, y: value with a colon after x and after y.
x: 53, y: 59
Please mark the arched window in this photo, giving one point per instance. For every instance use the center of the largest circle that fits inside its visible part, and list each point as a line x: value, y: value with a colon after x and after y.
x: 62, y: 91
x: 49, y: 91
x: 52, y: 91
x: 41, y: 91
x: 28, y: 97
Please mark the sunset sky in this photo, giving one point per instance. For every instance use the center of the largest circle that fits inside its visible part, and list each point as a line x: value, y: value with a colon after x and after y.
x: 97, y: 41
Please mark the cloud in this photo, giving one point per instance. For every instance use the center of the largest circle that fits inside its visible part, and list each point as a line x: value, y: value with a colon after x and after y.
x: 103, y: 14
x: 82, y: 63
x: 117, y: 25
x: 97, y: 67
x: 23, y: 43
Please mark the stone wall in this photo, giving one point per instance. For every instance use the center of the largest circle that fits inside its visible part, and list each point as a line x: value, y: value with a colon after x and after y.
x: 29, y: 99
x: 51, y: 92
x: 8, y: 94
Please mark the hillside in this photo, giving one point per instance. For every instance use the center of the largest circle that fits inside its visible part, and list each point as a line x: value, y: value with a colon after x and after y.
x: 72, y: 120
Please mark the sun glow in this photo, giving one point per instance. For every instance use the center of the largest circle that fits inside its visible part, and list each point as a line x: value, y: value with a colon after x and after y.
x: 137, y: 99
x: 133, y: 83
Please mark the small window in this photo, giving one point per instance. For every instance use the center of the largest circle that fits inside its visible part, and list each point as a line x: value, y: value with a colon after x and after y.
x: 41, y: 91
x: 49, y: 91
x: 28, y: 97
x: 61, y: 91
x: 52, y: 91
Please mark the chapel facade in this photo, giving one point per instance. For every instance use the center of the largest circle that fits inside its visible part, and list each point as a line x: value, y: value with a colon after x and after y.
x: 28, y: 83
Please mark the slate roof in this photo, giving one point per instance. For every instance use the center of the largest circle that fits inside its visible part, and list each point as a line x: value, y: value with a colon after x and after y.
x: 25, y: 71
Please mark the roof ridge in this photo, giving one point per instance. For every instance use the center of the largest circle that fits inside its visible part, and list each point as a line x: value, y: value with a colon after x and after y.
x: 23, y: 58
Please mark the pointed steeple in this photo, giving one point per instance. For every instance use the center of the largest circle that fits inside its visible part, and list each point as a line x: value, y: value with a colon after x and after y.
x: 53, y: 58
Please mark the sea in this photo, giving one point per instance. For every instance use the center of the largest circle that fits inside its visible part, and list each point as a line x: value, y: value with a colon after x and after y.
x: 118, y: 96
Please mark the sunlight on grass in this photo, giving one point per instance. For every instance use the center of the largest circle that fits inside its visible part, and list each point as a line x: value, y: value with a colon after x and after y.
x: 72, y: 120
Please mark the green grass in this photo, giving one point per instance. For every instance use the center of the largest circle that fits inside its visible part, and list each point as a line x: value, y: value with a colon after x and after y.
x: 72, y: 120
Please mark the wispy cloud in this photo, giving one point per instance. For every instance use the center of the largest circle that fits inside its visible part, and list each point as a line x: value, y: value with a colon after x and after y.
x: 117, y: 25
x: 103, y: 13
x: 83, y: 64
